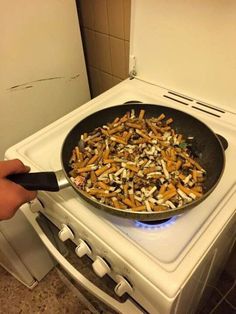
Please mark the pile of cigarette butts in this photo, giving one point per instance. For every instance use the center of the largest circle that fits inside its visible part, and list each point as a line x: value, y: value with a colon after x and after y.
x: 138, y: 164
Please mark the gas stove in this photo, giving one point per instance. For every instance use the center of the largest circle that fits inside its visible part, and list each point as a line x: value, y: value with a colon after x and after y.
x: 181, y: 58
x: 145, y: 260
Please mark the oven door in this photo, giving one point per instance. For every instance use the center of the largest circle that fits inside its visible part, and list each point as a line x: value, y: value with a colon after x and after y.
x: 35, y: 219
x: 22, y: 253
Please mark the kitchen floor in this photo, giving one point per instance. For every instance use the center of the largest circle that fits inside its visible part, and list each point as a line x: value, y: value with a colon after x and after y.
x: 56, y: 293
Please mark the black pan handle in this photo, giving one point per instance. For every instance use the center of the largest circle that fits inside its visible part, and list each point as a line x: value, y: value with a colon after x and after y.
x: 46, y: 181
x: 223, y: 141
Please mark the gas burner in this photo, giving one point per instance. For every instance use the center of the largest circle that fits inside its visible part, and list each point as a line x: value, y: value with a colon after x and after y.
x: 156, y: 224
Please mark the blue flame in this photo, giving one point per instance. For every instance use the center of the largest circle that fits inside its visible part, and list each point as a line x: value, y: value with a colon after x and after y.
x: 162, y: 225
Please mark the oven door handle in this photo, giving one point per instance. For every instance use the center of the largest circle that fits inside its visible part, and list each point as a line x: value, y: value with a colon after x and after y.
x: 126, y: 307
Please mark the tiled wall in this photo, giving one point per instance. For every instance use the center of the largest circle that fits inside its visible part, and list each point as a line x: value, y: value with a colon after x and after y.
x: 105, y: 27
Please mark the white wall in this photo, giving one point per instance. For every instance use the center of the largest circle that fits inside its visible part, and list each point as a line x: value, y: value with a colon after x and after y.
x: 42, y: 69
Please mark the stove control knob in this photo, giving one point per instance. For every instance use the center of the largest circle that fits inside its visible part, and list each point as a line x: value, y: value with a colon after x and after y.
x: 100, y: 267
x: 65, y: 233
x: 82, y: 248
x: 35, y: 205
x: 123, y: 286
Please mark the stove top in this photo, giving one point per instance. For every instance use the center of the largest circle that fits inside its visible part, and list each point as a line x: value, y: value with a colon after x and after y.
x: 42, y: 152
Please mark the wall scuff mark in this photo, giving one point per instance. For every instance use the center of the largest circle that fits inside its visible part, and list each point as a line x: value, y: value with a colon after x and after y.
x: 27, y: 84
x: 74, y: 77
x: 31, y: 83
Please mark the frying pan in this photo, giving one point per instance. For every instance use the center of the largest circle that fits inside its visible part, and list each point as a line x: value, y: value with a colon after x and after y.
x: 207, y: 148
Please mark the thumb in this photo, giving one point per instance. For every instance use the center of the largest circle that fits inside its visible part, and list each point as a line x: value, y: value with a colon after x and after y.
x: 8, y: 167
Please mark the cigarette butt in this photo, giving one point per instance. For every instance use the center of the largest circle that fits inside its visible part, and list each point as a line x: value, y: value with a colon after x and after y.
x: 134, y: 125
x: 181, y: 176
x: 93, y: 177
x: 116, y: 120
x: 169, y: 121
x: 86, y: 169
x: 200, y: 179
x: 141, y: 141
x: 184, y: 189
x: 125, y: 188
x: 130, y: 167
x: 106, y: 153
x: 139, y: 208
x: 99, y: 171
x: 94, y: 191
x: 128, y: 136
x: 198, y: 166
x: 149, y: 170
x: 125, y: 117
x: 96, y: 139
x: 131, y: 197
x: 161, y: 117
x: 128, y: 202
x: 106, y: 195
x: 197, y: 189
x: 92, y: 160
x: 141, y: 114
x: 173, y: 154
x: 109, y: 170
x: 162, y: 189
x: 152, y: 127
x: 169, y: 194
x: 79, y: 155
x: 103, y: 185
x: 194, y: 174
x: 158, y: 208
x: 145, y: 136
x: 116, y: 129
x: 108, y: 161
x: 153, y: 189
x: 137, y: 203
x: 171, y: 186
x: 178, y: 164
x: 84, y: 163
x: 115, y: 202
x: 198, y: 194
x: 179, y: 138
x: 118, y: 139
x: 147, y: 205
x: 105, y: 132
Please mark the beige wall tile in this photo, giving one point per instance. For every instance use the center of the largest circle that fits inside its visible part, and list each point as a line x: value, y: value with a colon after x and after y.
x: 118, y: 57
x: 106, y: 81
x: 102, y: 51
x: 127, y: 58
x: 94, y: 81
x: 116, y: 80
x: 100, y: 14
x: 90, y: 47
x: 86, y: 13
x: 116, y: 18
x: 105, y: 28
x: 127, y: 13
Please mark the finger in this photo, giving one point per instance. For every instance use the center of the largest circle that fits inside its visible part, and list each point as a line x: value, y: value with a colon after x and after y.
x: 21, y: 195
x: 29, y: 196
x: 12, y: 166
x: 15, y: 197
x: 10, y: 209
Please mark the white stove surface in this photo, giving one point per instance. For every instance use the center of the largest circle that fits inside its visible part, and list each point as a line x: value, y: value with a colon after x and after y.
x: 164, y: 243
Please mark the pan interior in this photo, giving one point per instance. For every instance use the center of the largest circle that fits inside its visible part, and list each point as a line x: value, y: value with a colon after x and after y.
x: 210, y: 153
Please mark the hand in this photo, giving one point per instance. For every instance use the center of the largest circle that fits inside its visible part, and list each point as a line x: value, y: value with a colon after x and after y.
x: 12, y: 195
